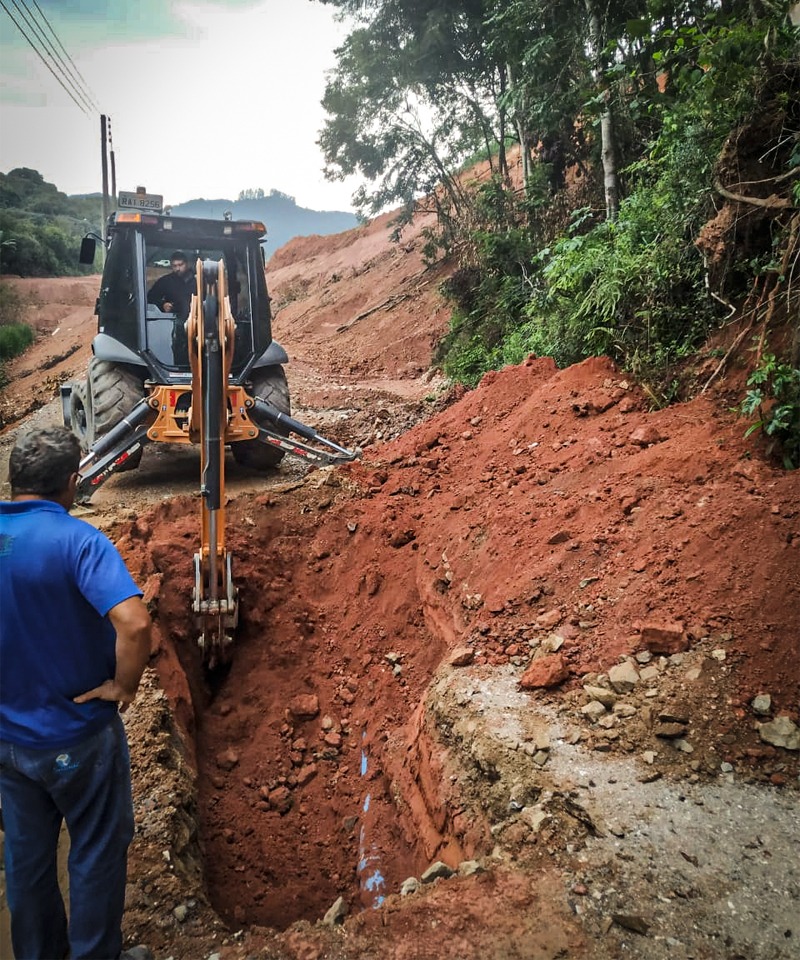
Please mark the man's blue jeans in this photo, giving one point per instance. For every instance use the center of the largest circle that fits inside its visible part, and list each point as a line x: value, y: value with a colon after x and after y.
x: 89, y: 787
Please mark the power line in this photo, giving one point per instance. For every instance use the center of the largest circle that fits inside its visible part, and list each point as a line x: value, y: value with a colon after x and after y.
x: 64, y: 69
x: 85, y: 86
x: 49, y: 50
x: 44, y: 60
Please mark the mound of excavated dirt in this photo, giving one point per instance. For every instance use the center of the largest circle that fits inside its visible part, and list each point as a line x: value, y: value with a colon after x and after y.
x: 543, y: 534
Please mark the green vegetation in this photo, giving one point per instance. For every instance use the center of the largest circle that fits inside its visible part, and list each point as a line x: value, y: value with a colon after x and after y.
x: 41, y: 228
x: 774, y: 399
x: 634, y: 123
x: 15, y: 336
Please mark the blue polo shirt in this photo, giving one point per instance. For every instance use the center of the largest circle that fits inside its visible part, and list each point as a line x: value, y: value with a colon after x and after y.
x: 59, y: 577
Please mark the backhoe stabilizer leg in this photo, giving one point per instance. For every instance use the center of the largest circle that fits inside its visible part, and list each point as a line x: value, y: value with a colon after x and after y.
x: 280, y: 419
x: 113, y: 449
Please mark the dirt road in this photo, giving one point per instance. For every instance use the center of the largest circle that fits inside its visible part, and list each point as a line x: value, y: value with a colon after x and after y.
x: 523, y: 639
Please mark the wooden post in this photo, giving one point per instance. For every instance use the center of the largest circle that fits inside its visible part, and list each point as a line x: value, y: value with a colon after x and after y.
x: 104, y: 166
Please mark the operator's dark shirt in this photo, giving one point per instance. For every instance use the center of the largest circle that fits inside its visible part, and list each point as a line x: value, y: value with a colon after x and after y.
x: 174, y: 289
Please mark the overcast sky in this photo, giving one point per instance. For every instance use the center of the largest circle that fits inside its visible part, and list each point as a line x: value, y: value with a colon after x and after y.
x: 206, y: 97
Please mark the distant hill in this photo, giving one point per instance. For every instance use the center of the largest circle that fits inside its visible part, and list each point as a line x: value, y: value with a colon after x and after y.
x: 41, y: 227
x: 280, y: 213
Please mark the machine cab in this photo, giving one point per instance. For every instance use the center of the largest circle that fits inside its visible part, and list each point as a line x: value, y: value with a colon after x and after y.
x: 144, y: 303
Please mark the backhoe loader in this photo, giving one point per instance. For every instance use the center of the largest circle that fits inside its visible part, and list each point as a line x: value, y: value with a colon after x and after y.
x: 213, y: 377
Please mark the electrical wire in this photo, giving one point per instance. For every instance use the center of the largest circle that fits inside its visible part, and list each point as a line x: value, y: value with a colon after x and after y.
x: 50, y: 50
x: 61, y: 65
x: 69, y: 87
x: 75, y: 71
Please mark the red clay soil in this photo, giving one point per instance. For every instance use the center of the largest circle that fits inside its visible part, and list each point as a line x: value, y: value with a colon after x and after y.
x: 359, y: 305
x: 60, y: 311
x: 543, y: 502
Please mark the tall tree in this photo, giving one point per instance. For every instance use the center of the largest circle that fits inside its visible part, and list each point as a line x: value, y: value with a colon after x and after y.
x: 608, y: 142
x: 414, y: 93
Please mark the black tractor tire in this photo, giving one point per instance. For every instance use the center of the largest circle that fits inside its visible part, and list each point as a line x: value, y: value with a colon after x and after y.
x: 80, y: 415
x: 114, y: 391
x: 269, y: 383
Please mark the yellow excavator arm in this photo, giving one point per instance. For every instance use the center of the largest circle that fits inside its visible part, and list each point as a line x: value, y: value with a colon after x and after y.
x: 211, y: 330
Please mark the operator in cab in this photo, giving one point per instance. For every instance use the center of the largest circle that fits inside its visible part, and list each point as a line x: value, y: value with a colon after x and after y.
x: 172, y: 293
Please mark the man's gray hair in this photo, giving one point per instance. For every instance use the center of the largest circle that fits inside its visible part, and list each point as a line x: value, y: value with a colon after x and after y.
x: 42, y: 461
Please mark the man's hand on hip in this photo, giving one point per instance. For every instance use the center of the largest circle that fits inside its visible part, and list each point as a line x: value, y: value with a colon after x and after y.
x: 132, y: 624
x: 110, y: 690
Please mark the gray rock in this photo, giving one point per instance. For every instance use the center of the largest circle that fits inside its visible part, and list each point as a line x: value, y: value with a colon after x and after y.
x: 607, y: 697
x: 762, y: 704
x: 623, y: 677
x: 593, y: 710
x: 181, y: 912
x: 140, y: 952
x: 781, y: 732
x: 409, y: 886
x: 469, y: 867
x: 649, y: 674
x: 541, y: 740
x: 624, y: 710
x: 436, y: 870
x: 336, y: 913
x: 553, y: 643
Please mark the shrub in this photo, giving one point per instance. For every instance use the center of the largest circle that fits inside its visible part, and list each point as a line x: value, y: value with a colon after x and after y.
x: 774, y: 398
x: 15, y: 338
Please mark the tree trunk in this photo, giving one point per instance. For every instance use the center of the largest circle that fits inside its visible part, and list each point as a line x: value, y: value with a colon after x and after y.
x: 607, y: 135
x: 524, y: 137
x: 502, y: 158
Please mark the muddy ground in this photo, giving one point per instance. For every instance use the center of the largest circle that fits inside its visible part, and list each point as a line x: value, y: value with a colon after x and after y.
x: 539, y: 635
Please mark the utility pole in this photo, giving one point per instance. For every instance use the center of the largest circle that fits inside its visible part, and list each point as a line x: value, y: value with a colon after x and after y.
x: 104, y: 165
x: 113, y: 165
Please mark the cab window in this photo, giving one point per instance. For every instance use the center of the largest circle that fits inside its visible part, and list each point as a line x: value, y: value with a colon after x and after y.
x: 117, y: 306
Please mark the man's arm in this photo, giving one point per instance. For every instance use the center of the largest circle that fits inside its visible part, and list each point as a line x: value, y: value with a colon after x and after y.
x: 132, y: 622
x: 159, y: 292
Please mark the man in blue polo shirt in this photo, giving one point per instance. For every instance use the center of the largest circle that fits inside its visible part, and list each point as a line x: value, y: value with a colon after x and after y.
x: 74, y: 640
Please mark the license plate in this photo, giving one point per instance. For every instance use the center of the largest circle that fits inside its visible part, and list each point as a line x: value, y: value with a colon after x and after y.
x: 140, y: 201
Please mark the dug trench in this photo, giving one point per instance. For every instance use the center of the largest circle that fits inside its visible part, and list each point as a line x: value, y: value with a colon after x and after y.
x: 523, y: 639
